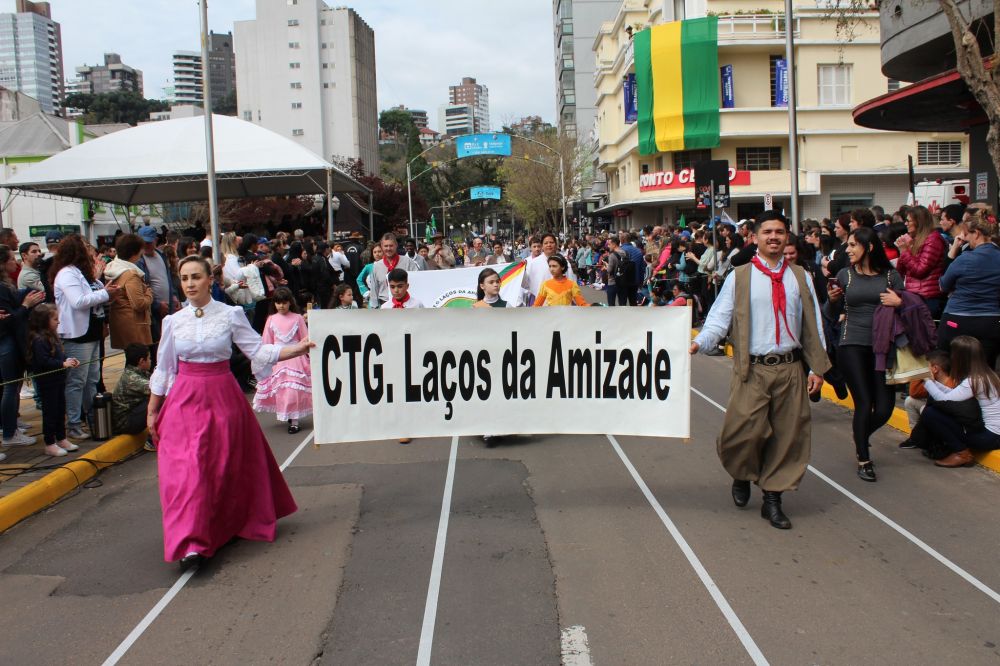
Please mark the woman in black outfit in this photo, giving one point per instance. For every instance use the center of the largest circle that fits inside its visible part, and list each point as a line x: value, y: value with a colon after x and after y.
x: 858, y: 290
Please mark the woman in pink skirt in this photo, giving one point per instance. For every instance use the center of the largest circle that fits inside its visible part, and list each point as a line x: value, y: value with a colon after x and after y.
x: 218, y: 477
x: 288, y: 391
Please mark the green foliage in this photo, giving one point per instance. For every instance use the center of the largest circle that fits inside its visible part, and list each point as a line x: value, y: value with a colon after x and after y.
x: 226, y: 106
x: 115, y: 107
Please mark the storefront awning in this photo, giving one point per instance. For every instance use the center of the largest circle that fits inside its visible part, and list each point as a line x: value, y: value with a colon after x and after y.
x: 941, y: 103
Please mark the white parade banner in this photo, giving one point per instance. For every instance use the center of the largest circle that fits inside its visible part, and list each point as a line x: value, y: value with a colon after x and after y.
x: 456, y: 288
x: 386, y: 374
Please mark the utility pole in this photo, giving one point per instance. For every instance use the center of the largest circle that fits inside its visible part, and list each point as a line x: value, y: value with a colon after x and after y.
x: 793, y: 129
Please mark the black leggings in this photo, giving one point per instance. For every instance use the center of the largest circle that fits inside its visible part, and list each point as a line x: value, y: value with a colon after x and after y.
x: 53, y: 396
x: 873, y: 399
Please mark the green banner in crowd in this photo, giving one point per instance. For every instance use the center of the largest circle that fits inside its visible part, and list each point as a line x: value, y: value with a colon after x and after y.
x: 677, y: 85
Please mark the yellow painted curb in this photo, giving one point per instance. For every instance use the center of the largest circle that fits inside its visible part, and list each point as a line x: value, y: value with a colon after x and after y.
x: 49, y: 489
x: 898, y: 420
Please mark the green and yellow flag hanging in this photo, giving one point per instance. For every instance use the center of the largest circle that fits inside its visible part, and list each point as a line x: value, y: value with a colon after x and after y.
x: 677, y: 85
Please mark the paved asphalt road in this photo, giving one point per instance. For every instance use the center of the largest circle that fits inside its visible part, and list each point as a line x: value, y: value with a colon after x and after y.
x: 553, y: 552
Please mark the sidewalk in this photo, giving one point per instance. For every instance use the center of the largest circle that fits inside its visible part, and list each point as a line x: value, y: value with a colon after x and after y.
x: 26, y: 464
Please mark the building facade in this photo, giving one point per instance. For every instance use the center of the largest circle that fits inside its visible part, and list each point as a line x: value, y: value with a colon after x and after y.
x: 476, y: 96
x: 221, y: 66
x: 112, y: 76
x: 457, y: 119
x: 188, y: 87
x: 307, y: 71
x: 576, y: 24
x: 31, y: 59
x: 841, y: 166
x: 918, y: 47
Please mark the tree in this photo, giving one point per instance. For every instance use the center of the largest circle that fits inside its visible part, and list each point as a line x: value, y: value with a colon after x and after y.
x: 389, y: 200
x: 971, y: 36
x: 226, y: 106
x: 123, y: 106
x: 532, y: 183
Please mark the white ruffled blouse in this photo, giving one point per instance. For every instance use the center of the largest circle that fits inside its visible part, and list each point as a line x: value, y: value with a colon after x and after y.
x: 208, y: 339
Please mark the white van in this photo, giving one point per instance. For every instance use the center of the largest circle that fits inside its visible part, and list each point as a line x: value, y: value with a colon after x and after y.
x: 936, y: 194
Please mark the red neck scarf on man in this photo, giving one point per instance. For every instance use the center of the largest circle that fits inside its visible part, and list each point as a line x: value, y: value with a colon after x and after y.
x: 400, y: 304
x: 391, y: 265
x: 778, y: 299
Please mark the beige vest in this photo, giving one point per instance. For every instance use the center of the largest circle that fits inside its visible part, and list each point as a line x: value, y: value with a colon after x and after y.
x: 812, y: 346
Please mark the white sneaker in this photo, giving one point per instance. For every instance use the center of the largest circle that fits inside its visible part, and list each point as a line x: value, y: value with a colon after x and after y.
x: 3, y: 456
x: 54, y: 450
x: 67, y: 445
x: 19, y: 439
x: 27, y: 392
x: 76, y: 432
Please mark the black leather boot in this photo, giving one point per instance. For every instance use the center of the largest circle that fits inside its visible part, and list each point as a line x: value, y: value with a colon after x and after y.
x: 771, y: 510
x: 741, y: 492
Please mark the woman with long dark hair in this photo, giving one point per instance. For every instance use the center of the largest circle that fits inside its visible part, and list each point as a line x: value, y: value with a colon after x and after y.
x: 856, y: 292
x: 14, y: 310
x: 80, y: 298
x: 976, y: 380
x: 922, y: 253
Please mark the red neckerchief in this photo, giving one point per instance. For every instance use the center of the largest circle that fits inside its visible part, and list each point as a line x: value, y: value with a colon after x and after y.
x: 391, y: 266
x: 778, y: 299
x: 399, y: 304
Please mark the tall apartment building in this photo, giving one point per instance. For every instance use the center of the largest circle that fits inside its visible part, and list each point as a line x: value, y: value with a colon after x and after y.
x: 31, y: 59
x: 576, y: 24
x: 188, y: 87
x: 457, y: 119
x: 112, y: 76
x: 475, y: 95
x: 307, y: 71
x: 841, y: 166
x: 419, y: 115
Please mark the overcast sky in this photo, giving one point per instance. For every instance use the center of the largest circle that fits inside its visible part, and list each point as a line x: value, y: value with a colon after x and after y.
x: 422, y: 46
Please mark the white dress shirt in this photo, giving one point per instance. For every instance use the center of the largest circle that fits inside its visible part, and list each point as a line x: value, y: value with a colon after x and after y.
x: 762, y: 339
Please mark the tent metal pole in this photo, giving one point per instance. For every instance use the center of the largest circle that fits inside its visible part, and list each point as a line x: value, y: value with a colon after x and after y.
x: 329, y: 205
x: 793, y: 131
x: 371, y: 215
x: 213, y: 195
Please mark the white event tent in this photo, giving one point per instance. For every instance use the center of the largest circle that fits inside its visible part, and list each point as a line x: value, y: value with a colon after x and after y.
x: 165, y: 162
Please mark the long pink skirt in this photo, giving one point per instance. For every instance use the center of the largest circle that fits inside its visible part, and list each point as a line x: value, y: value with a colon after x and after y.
x: 218, y: 477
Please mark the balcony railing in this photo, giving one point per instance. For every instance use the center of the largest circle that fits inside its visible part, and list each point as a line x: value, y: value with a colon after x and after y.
x: 754, y: 26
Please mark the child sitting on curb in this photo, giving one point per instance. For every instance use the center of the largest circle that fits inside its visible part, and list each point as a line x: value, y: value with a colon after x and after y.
x: 131, y: 395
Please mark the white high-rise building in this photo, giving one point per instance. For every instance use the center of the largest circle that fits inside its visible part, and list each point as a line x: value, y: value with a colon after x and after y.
x: 31, y: 59
x: 576, y: 26
x: 457, y: 119
x: 188, y: 87
x: 307, y: 71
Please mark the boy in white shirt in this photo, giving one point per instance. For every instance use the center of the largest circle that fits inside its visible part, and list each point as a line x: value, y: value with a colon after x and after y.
x: 399, y: 287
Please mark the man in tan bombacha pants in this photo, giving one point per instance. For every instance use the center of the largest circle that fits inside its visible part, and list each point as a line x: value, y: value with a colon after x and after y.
x: 771, y: 309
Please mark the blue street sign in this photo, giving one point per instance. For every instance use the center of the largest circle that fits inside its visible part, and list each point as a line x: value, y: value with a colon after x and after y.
x: 486, y: 192
x: 471, y: 145
x: 728, y: 95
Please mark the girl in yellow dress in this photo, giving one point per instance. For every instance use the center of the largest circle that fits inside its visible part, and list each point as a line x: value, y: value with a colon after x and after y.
x: 560, y: 290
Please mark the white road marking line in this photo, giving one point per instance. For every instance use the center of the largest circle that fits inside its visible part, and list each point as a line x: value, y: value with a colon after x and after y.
x: 434, y: 586
x: 912, y: 538
x: 155, y: 611
x: 720, y: 600
x: 575, y: 648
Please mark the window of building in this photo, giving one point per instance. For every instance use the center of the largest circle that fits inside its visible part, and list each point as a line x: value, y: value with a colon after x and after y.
x: 296, y: 85
x: 686, y: 159
x: 298, y: 132
x: 292, y: 2
x: 294, y: 65
x: 845, y: 203
x: 248, y: 116
x: 293, y: 22
x: 644, y: 168
x: 659, y: 163
x: 323, y: 45
x: 293, y: 45
x: 893, y: 85
x: 296, y: 105
x: 834, y: 85
x: 939, y: 152
x: 325, y: 65
x: 767, y: 158
x: 679, y: 11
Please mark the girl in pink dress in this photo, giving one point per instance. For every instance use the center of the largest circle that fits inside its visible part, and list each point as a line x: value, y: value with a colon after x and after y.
x: 288, y: 391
